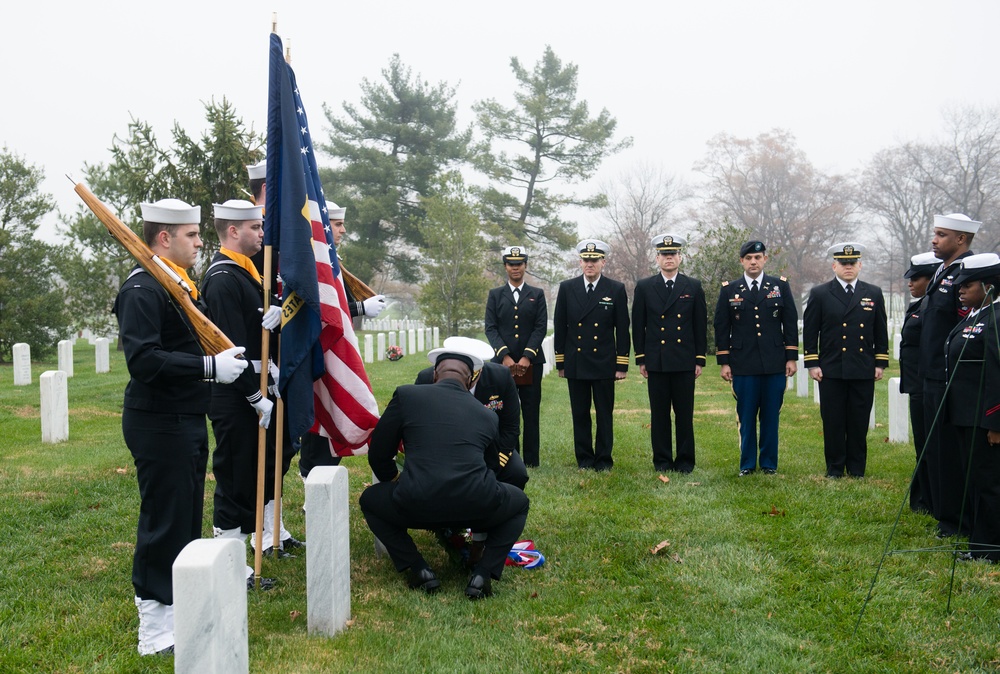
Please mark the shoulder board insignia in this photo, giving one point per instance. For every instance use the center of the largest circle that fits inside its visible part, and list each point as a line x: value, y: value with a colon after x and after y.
x: 725, y: 283
x: 783, y: 278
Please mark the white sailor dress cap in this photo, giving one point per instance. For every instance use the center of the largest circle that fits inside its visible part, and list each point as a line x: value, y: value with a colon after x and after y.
x: 979, y: 267
x: 592, y: 249
x: 515, y: 254
x: 335, y: 212
x: 957, y: 222
x: 171, y: 212
x: 238, y: 209
x: 258, y: 171
x: 848, y: 250
x: 665, y: 242
x: 922, y: 264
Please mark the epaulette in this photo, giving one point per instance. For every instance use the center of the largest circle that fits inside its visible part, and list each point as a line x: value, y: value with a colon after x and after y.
x: 725, y: 283
x: 783, y: 278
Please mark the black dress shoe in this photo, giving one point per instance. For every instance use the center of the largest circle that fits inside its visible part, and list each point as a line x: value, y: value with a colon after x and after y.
x: 425, y: 580
x: 292, y: 543
x: 769, y: 471
x: 169, y: 650
x: 479, y: 587
x: 265, y: 583
x: 834, y: 476
x: 269, y: 552
x: 746, y: 471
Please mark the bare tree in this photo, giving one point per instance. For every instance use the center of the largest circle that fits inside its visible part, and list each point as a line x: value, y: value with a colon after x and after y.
x: 641, y: 204
x: 768, y: 186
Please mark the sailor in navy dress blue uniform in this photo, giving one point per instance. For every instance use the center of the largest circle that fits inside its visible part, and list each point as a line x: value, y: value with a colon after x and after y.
x: 846, y: 341
x: 592, y: 346
x: 757, y: 347
x: 918, y: 276
x: 670, y: 334
x: 515, y: 325
x: 972, y: 402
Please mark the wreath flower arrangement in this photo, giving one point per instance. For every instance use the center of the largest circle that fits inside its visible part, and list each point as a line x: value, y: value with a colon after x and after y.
x: 394, y: 352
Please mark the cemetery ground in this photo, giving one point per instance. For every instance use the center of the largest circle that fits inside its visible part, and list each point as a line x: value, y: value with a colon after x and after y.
x: 761, y: 574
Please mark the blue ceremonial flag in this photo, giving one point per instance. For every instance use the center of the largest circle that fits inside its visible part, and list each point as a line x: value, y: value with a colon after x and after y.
x: 323, y: 380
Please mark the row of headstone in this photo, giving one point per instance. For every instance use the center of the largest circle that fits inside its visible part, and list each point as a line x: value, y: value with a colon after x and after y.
x: 412, y: 341
x: 387, y: 324
x: 64, y: 350
x: 210, y: 596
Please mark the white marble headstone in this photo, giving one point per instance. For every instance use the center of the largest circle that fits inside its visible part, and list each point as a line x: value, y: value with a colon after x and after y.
x: 55, y: 406
x: 102, y: 356
x: 22, y: 364
x: 328, y: 556
x: 411, y: 341
x: 899, y: 413
x: 381, y: 346
x: 420, y: 341
x: 815, y: 391
x: 392, y: 338
x: 210, y: 608
x: 369, y: 356
x: 802, y: 379
x: 437, y: 336
x: 65, y: 348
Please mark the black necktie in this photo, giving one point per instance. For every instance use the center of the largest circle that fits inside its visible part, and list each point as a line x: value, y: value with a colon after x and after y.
x: 590, y: 289
x: 850, y: 292
x: 670, y: 286
x: 753, y: 290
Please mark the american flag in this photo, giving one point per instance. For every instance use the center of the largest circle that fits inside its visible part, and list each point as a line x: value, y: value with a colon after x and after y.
x: 323, y: 379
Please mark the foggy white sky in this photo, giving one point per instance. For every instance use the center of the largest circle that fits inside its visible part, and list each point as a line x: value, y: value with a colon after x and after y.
x: 846, y: 78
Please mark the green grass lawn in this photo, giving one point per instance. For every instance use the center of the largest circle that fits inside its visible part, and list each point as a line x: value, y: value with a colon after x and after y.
x: 737, y: 589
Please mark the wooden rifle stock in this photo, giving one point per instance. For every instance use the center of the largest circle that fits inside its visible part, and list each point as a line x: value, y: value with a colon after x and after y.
x: 213, y: 341
x: 357, y: 287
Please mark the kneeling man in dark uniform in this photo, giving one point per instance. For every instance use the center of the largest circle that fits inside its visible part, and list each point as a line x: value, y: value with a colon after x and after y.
x: 452, y: 457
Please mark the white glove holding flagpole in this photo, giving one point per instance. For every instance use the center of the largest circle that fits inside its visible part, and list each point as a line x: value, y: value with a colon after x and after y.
x: 264, y: 407
x: 373, y: 306
x: 272, y: 318
x: 272, y: 369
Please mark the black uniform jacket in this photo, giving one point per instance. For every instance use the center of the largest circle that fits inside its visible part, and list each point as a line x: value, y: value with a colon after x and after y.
x: 973, y: 366
x: 756, y: 337
x: 451, y: 448
x: 516, y: 330
x: 846, y: 340
x: 496, y: 390
x: 942, y: 312
x: 234, y: 299
x: 164, y: 358
x: 670, y: 333
x: 910, y: 380
x: 591, y: 334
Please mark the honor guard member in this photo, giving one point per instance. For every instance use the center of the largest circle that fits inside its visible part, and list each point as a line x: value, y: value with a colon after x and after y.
x: 516, y: 323
x: 316, y: 449
x: 918, y: 277
x: 757, y: 347
x: 234, y: 294
x: 494, y: 387
x: 449, y: 480
x: 163, y: 416
x: 952, y: 242
x: 973, y: 399
x: 846, y: 340
x: 592, y: 347
x: 669, y: 332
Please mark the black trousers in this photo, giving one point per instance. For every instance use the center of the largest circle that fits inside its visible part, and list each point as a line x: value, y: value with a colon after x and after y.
x: 984, y: 492
x: 671, y: 390
x: 390, y: 522
x: 591, y: 454
x: 234, y: 461
x: 512, y: 471
x: 531, y: 401
x: 170, y: 453
x: 315, y: 451
x: 845, y: 406
x: 946, y: 464
x: 920, y: 486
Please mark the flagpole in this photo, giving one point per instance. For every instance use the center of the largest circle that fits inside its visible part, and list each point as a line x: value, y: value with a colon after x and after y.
x: 265, y: 350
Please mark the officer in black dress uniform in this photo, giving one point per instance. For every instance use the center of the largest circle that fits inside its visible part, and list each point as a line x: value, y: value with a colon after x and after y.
x: 592, y: 347
x: 669, y: 332
x: 846, y: 340
x: 918, y: 276
x: 516, y: 323
x: 234, y: 295
x: 757, y: 347
x: 973, y: 399
x: 951, y: 243
x: 163, y: 416
x: 449, y: 479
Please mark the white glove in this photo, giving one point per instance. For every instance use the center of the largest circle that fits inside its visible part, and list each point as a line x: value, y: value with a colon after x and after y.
x: 373, y: 306
x: 228, y: 367
x: 272, y: 318
x: 264, y: 407
x: 272, y: 369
